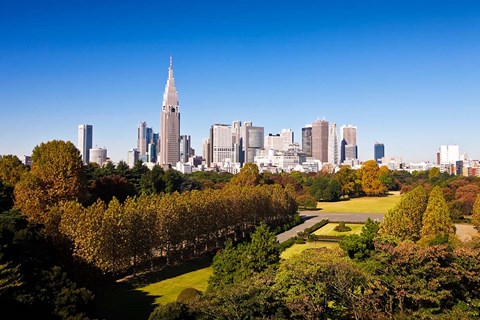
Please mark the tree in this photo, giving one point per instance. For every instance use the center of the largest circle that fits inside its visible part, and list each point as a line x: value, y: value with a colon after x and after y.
x: 233, y: 265
x: 6, y: 197
x: 248, y: 175
x: 404, y: 221
x: 108, y: 187
x: 326, y: 189
x: 55, y: 175
x: 152, y: 182
x: 436, y: 220
x: 361, y: 246
x: 351, y: 185
x: 476, y: 212
x: 321, y: 284
x: 306, y: 201
x: 433, y: 173
x: 11, y: 170
x: 371, y: 184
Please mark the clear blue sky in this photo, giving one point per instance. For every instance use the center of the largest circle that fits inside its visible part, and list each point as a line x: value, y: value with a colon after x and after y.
x: 407, y: 73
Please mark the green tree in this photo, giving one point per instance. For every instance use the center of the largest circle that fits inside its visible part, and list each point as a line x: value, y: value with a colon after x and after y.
x: 321, y: 284
x: 233, y: 265
x: 404, y: 221
x: 436, y: 220
x: 361, y: 246
x: 326, y: 189
x: 55, y: 175
x: 11, y: 170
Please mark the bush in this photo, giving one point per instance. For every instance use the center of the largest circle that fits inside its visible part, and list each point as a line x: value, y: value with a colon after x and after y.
x: 316, y: 226
x: 342, y: 227
x: 286, y: 244
x: 171, y: 311
x: 312, y: 238
x: 299, y: 241
x: 187, y: 295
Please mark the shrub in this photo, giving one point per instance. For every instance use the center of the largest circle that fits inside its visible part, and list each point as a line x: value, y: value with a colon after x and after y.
x: 171, y: 311
x: 187, y: 295
x: 342, y: 227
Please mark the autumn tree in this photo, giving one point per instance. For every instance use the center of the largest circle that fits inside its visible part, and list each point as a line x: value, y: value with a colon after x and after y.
x: 476, y: 212
x: 248, y: 175
x: 11, y: 170
x: 371, y: 184
x: 351, y: 185
x: 436, y: 220
x: 404, y: 221
x: 55, y: 175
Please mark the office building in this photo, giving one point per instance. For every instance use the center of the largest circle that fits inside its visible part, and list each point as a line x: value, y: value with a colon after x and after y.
x: 186, y: 150
x: 307, y: 140
x: 85, y: 141
x: 449, y: 154
x: 378, y: 152
x: 348, y: 144
x: 170, y: 123
x: 133, y: 157
x: 320, y: 140
x: 253, y: 141
x: 221, y: 143
x: 98, y: 156
x: 332, y: 144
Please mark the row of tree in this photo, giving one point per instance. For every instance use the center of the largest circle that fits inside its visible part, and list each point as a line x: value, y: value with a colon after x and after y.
x: 419, y: 216
x: 117, y: 237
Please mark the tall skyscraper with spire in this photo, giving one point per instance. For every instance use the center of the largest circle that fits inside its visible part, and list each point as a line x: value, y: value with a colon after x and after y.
x: 170, y: 123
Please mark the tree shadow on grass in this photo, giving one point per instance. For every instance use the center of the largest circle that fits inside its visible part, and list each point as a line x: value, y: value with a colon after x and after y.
x: 121, y: 299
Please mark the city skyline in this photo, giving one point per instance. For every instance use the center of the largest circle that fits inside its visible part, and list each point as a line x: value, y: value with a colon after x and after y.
x: 403, y: 72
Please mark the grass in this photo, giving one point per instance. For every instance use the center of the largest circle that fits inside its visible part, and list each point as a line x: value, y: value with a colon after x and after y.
x: 362, y: 205
x: 168, y: 290
x: 298, y: 248
x: 327, y: 230
x: 135, y: 298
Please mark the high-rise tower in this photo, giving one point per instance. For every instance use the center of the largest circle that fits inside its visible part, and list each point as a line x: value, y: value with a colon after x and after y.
x: 332, y: 144
x: 348, y: 147
x: 85, y: 141
x: 378, y: 152
x: 320, y: 140
x: 170, y: 123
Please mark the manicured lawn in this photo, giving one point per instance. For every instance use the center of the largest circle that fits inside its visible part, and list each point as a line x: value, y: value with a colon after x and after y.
x: 328, y: 230
x: 168, y: 290
x: 135, y: 297
x: 298, y: 248
x: 362, y: 205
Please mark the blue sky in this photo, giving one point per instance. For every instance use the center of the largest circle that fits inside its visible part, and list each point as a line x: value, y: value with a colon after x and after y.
x: 407, y: 73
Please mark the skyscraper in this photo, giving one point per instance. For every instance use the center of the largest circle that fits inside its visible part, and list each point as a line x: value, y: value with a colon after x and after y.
x: 320, y: 140
x: 378, y: 152
x: 142, y: 140
x: 185, y: 148
x: 85, y: 141
x: 307, y: 140
x: 221, y: 143
x: 170, y: 123
x: 332, y: 144
x: 348, y: 146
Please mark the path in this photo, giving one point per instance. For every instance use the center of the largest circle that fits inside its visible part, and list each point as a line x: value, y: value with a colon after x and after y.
x: 309, y: 218
x: 464, y: 232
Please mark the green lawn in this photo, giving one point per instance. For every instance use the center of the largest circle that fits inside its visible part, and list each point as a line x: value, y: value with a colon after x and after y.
x: 328, y: 230
x: 362, y: 205
x: 298, y: 248
x: 136, y: 297
x: 168, y: 290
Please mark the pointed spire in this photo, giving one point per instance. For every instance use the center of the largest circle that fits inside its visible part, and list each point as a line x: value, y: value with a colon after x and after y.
x: 170, y: 97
